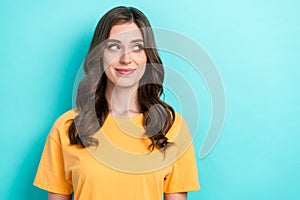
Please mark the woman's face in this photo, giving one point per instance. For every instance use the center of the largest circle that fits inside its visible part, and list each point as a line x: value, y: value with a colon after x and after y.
x: 124, y: 57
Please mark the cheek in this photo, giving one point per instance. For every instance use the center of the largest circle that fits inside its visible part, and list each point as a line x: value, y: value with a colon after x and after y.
x: 141, y: 60
x: 109, y: 60
x: 108, y: 64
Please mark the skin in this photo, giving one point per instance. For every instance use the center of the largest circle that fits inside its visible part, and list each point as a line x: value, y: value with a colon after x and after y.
x: 124, y: 62
x: 176, y: 196
x: 124, y: 51
x: 54, y: 196
x: 173, y: 196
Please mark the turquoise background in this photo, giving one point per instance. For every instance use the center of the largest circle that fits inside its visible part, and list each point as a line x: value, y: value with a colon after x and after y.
x: 254, y: 44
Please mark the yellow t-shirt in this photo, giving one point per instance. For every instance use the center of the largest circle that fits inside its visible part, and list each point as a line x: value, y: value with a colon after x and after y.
x: 121, y: 166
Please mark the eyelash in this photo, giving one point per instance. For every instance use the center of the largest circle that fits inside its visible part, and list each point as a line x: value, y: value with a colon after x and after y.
x: 113, y: 45
x: 139, y: 46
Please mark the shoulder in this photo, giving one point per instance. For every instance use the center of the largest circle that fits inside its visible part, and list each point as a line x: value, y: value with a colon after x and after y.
x: 179, y: 127
x: 60, y: 128
x: 181, y: 135
x: 179, y: 120
x: 65, y: 118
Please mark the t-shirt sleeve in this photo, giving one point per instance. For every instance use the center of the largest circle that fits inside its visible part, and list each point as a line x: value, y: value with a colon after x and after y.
x: 184, y: 174
x: 50, y: 175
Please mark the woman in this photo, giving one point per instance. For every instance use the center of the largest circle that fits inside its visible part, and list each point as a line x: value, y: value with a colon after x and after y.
x: 121, y: 141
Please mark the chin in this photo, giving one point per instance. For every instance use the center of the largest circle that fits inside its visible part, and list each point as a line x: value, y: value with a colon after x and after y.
x: 126, y: 84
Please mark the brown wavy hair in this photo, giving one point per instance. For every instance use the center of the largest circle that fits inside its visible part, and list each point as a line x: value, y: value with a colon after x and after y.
x: 92, y: 106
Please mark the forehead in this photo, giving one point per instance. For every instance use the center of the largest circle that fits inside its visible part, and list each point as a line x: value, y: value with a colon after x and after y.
x: 125, y: 31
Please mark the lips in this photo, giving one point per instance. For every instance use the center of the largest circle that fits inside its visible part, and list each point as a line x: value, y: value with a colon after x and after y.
x: 125, y: 71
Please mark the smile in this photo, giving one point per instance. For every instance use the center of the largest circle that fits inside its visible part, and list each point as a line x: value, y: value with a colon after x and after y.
x: 125, y: 71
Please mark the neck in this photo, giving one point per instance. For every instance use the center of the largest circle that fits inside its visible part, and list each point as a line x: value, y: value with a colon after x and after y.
x: 122, y: 102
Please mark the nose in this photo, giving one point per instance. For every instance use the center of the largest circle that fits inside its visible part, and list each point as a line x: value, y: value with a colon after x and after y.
x: 125, y: 58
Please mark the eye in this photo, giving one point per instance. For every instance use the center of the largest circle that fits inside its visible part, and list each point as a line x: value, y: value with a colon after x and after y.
x: 113, y: 46
x: 138, y: 47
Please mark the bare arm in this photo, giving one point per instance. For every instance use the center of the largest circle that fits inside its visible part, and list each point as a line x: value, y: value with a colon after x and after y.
x: 54, y: 196
x: 176, y: 196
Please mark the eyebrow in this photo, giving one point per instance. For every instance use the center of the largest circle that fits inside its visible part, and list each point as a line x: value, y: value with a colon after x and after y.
x: 118, y: 41
x: 137, y: 40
